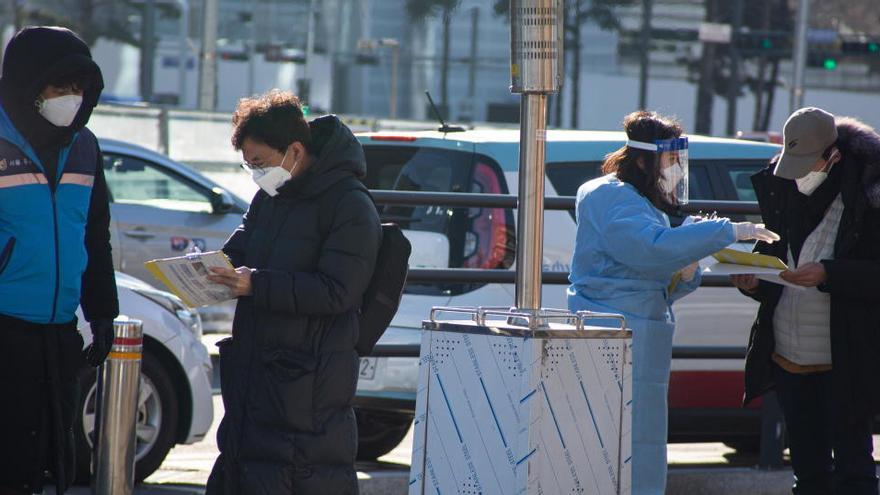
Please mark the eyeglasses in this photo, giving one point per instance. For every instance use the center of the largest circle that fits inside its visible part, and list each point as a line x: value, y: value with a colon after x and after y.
x: 247, y: 167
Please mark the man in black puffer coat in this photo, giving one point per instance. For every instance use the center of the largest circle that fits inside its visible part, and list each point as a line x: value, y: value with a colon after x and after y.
x: 304, y: 256
x: 819, y: 347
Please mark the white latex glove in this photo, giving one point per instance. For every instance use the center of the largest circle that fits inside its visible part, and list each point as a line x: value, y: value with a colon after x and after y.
x: 746, y: 231
x: 689, y: 272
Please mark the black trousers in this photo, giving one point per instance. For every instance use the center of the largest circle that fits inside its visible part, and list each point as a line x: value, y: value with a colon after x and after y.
x: 818, y: 423
x: 40, y: 396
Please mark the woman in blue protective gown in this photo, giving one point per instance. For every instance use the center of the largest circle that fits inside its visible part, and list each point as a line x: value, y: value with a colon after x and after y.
x: 628, y: 260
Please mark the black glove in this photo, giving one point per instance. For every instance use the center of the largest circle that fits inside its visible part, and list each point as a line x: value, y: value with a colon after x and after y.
x: 102, y: 341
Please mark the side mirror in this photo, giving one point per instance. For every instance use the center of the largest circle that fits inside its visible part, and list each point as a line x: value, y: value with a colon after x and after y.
x: 429, y: 249
x: 221, y: 201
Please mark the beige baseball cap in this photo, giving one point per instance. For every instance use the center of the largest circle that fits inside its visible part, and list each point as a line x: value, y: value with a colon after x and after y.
x: 806, y: 134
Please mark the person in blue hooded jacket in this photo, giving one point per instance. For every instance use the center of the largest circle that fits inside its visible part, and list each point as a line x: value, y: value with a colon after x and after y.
x: 55, y: 252
x: 629, y: 260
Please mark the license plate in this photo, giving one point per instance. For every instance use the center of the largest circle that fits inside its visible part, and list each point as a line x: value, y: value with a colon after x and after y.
x: 367, y: 369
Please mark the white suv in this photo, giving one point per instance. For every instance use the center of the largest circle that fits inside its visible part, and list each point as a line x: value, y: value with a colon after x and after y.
x: 705, y: 395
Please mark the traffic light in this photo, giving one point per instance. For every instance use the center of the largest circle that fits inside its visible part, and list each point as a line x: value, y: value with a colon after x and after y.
x: 860, y: 45
x: 826, y: 59
x: 764, y: 43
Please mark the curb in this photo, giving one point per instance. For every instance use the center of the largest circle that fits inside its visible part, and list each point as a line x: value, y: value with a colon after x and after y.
x: 733, y: 481
x: 682, y: 481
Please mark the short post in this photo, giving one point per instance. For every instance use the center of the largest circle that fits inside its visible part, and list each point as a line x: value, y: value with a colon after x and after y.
x: 114, y: 472
x: 772, y: 433
x: 164, y: 137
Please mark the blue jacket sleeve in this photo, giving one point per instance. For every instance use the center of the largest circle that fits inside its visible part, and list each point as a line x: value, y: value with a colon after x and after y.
x: 633, y: 234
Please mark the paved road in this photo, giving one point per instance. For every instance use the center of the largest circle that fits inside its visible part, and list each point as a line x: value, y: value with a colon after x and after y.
x: 187, y: 467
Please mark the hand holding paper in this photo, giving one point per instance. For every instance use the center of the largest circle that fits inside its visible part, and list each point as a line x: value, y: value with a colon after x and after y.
x: 808, y: 275
x: 238, y: 280
x: 188, y: 277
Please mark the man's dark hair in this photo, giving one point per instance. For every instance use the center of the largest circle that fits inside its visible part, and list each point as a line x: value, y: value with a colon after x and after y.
x: 274, y: 118
x: 646, y: 127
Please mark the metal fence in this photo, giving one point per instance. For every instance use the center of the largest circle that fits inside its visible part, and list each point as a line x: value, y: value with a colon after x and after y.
x: 772, y: 427
x: 471, y: 200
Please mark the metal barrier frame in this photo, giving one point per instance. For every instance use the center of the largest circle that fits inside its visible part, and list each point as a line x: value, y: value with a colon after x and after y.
x: 772, y: 426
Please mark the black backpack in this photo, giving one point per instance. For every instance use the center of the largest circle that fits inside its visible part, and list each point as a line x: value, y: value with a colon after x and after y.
x: 382, y: 296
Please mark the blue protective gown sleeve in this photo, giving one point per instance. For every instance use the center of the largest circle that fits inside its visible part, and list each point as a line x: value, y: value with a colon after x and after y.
x: 684, y: 288
x: 635, y: 236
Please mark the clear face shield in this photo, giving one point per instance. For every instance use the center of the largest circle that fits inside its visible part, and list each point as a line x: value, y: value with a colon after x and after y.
x: 671, y: 158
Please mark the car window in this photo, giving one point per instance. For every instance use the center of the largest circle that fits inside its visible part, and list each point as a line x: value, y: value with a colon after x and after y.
x: 135, y: 181
x: 738, y: 179
x: 478, y: 237
x: 567, y: 177
x: 741, y: 178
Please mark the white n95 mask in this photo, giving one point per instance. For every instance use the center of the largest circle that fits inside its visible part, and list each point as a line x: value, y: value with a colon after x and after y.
x: 61, y: 111
x: 671, y: 176
x: 810, y: 182
x: 271, y: 178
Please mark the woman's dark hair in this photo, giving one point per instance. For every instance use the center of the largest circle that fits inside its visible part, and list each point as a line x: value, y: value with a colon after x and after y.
x: 646, y: 127
x: 275, y: 118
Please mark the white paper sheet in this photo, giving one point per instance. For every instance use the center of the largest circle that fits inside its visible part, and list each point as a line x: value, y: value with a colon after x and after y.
x: 766, y: 274
x: 187, y: 277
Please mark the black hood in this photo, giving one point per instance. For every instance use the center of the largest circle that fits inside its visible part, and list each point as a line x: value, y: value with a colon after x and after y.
x: 337, y: 154
x: 860, y: 144
x: 34, y: 57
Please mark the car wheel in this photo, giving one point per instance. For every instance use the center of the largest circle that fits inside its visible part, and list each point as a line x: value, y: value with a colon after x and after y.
x: 157, y: 417
x: 380, y: 432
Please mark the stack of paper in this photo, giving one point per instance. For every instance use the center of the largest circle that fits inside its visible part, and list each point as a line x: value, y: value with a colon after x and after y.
x: 187, y: 277
x: 733, y: 262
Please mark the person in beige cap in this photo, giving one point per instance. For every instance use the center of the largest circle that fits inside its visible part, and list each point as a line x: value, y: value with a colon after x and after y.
x: 817, y: 342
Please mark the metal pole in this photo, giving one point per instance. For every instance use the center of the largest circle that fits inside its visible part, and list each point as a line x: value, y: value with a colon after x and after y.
x: 148, y: 37
x: 182, y: 51
x: 395, y: 62
x: 208, y: 58
x: 306, y: 84
x: 535, y: 56
x: 164, y: 135
x: 472, y: 72
x: 799, y: 60
x: 252, y: 52
x: 646, y: 52
x: 530, y: 214
x: 733, y: 86
x: 115, y: 466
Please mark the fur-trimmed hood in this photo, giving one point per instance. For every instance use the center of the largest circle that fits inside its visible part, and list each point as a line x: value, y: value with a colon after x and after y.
x: 860, y: 143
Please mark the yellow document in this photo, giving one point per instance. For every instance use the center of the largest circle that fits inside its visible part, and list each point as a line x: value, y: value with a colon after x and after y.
x: 735, y: 257
x: 187, y: 277
x: 733, y: 262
